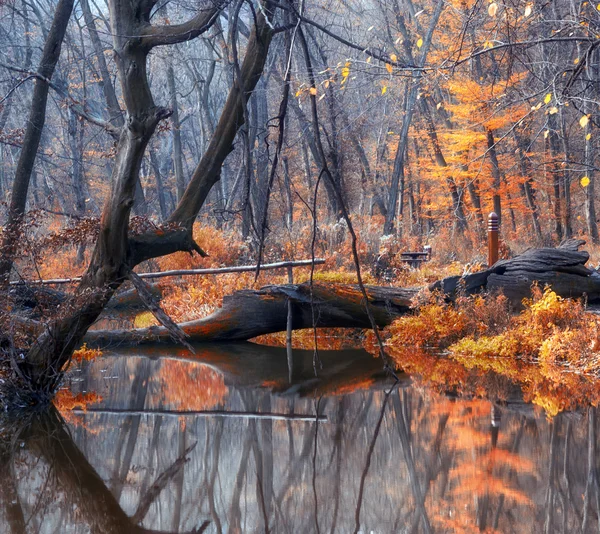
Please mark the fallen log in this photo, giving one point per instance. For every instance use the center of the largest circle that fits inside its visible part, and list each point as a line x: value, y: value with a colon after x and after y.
x: 247, y: 314
x: 562, y: 268
x: 250, y: 313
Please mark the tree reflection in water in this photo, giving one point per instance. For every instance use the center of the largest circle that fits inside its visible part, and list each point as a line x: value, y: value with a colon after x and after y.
x: 380, y: 459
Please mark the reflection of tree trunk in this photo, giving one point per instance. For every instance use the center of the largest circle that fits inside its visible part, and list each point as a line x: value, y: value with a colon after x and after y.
x: 592, y: 474
x: 139, y: 387
x: 83, y: 487
x: 235, y: 512
x: 9, y: 495
x: 552, y: 472
x: 178, y: 480
x: 365, y: 472
x: 338, y: 440
x: 216, y: 451
x: 403, y: 431
x: 514, y: 449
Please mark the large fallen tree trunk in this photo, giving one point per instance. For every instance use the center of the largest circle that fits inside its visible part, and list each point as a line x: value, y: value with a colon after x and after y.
x: 247, y: 314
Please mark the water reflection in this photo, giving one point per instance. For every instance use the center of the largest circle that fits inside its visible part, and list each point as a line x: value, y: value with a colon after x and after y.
x: 339, y: 453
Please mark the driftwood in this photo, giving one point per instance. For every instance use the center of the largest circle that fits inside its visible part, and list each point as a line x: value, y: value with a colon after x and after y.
x: 247, y: 314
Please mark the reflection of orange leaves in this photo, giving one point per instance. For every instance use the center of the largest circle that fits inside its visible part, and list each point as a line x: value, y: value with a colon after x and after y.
x: 467, y: 438
x: 478, y: 482
x: 461, y: 523
x: 510, y: 460
x: 65, y: 402
x: 190, y: 386
x: 86, y: 354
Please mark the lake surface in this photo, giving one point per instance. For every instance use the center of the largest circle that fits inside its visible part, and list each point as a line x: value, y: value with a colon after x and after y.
x: 350, y: 450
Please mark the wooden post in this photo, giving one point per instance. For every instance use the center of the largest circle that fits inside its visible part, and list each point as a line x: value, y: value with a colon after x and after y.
x: 492, y: 239
x: 288, y: 335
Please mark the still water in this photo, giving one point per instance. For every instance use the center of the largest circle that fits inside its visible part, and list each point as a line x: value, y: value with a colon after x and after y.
x: 224, y: 442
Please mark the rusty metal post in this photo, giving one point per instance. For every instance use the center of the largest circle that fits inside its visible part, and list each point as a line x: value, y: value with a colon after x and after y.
x: 492, y: 239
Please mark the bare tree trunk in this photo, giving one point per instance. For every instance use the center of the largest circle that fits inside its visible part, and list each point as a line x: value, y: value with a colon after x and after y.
x: 590, y: 207
x: 554, y: 153
x: 33, y: 135
x: 398, y: 172
x: 177, y: 151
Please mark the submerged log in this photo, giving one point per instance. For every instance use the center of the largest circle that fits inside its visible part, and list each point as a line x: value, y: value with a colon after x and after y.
x: 248, y: 313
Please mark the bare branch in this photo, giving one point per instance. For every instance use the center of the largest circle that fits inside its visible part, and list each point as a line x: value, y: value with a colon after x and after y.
x: 179, y: 33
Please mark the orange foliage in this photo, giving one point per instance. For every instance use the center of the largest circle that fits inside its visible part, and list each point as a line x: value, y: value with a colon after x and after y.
x: 551, y: 349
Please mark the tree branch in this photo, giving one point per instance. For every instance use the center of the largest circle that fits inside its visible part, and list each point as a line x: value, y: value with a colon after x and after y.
x: 179, y: 33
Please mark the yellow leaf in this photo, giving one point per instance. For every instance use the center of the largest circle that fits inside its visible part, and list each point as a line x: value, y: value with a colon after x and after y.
x: 313, y: 91
x: 420, y: 42
x: 327, y: 82
x: 369, y: 59
x: 585, y: 181
x: 548, y: 98
x: 553, y: 110
x: 493, y: 9
x: 298, y: 93
x: 584, y: 121
x: 588, y: 137
x: 546, y: 133
x: 389, y: 68
x: 345, y: 72
x: 528, y: 10
x: 394, y: 57
x: 576, y: 60
x: 384, y: 90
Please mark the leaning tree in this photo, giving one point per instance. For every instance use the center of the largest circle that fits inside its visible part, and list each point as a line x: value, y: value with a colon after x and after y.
x: 117, y: 250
